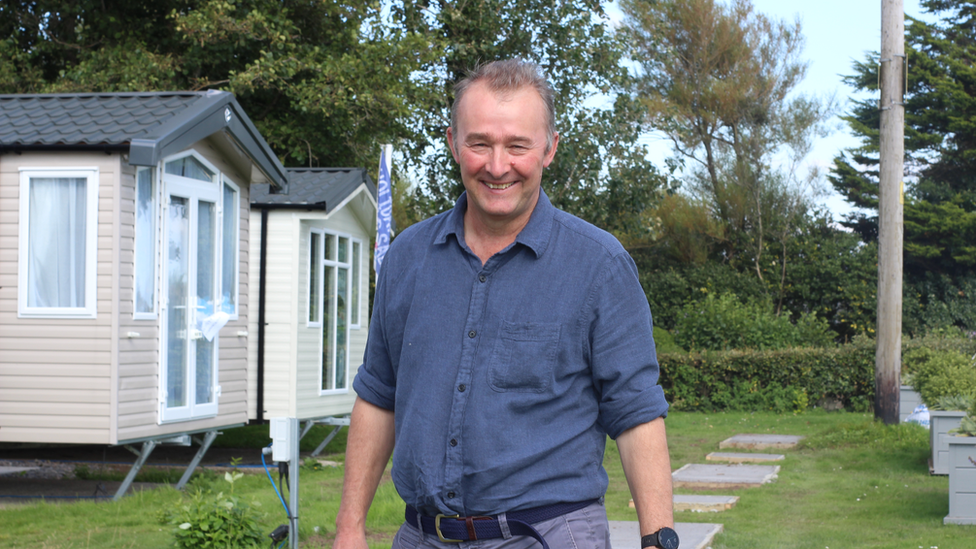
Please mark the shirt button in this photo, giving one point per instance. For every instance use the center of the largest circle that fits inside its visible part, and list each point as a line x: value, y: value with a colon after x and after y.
x: 461, y: 387
x: 450, y: 495
x: 453, y: 442
x: 482, y: 278
x: 472, y: 333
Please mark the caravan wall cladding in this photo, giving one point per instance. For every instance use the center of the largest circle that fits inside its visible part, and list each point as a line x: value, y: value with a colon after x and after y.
x: 316, y: 329
x: 93, y: 375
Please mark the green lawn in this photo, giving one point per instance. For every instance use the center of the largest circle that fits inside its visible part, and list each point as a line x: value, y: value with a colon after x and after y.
x: 853, y: 483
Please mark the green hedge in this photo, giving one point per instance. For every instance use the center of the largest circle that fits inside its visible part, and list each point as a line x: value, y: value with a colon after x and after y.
x: 781, y: 380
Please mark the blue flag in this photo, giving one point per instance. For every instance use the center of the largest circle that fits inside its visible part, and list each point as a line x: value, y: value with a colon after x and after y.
x: 384, y: 207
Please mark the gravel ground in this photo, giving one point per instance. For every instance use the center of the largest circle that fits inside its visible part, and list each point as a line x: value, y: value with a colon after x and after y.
x: 51, y: 473
x: 41, y: 469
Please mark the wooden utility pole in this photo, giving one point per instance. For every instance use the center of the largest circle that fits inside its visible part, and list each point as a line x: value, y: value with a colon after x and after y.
x: 887, y: 368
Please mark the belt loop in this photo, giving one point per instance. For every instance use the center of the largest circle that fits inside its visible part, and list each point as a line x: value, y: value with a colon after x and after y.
x: 503, y: 525
x: 420, y: 526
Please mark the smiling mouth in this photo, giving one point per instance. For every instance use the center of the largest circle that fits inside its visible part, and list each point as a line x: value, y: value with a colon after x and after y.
x: 498, y: 186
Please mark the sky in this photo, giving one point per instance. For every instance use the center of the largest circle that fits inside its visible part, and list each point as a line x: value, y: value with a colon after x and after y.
x: 837, y: 33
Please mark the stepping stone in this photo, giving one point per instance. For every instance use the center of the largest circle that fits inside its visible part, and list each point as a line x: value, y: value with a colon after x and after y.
x: 691, y: 535
x: 721, y: 477
x: 733, y: 457
x: 701, y: 504
x: 704, y: 504
x: 761, y: 442
x: 5, y: 470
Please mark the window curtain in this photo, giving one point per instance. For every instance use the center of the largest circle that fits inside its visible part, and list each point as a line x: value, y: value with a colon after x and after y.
x: 56, y: 242
x: 145, y: 243
x: 229, y: 252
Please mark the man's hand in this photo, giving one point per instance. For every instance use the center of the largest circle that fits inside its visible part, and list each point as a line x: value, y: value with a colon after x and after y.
x: 368, y: 450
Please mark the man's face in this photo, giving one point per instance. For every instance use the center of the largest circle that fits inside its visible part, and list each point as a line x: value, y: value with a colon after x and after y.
x: 501, y: 149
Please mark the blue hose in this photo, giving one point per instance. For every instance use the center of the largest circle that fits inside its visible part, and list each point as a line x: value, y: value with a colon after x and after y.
x: 275, y: 486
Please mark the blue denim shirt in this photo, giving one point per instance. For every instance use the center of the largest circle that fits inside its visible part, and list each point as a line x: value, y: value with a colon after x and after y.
x: 505, y: 379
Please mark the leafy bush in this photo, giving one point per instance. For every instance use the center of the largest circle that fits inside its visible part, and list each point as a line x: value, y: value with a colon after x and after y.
x: 914, y: 360
x: 215, y: 521
x: 938, y: 374
x: 725, y: 323
x: 772, y: 379
x: 936, y: 302
x: 670, y: 285
x: 664, y: 341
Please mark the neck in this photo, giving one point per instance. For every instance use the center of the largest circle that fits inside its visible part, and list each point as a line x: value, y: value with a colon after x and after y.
x: 486, y: 239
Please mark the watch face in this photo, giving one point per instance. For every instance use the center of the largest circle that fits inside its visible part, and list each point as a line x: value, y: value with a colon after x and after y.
x: 667, y: 538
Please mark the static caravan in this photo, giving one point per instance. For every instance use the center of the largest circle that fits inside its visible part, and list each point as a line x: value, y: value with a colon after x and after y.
x: 124, y: 246
x: 310, y: 263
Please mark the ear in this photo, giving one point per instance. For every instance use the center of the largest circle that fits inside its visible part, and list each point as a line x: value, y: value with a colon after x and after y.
x: 450, y: 144
x: 552, y: 151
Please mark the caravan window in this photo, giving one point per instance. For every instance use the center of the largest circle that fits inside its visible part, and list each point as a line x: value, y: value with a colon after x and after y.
x: 58, y: 243
x: 145, y: 252
x: 332, y: 279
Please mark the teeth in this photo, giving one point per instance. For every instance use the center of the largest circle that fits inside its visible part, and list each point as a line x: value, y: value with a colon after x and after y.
x: 498, y: 186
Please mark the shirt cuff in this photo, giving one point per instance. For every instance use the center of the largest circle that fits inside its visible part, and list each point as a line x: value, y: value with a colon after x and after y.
x: 645, y: 407
x: 370, y: 389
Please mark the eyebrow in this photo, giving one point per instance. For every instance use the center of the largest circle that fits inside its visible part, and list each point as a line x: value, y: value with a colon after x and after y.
x: 486, y: 137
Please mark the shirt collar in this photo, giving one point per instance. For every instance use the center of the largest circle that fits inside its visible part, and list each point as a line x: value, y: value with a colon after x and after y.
x: 535, y: 235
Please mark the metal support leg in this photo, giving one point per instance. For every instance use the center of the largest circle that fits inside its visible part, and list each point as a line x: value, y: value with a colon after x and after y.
x: 204, y: 446
x: 308, y: 427
x: 147, y: 448
x: 327, y: 440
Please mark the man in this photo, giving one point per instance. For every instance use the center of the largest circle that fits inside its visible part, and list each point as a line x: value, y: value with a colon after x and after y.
x: 508, y: 339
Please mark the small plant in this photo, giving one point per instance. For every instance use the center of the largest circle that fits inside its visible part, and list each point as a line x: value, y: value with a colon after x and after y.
x: 967, y: 427
x: 212, y: 521
x: 954, y: 403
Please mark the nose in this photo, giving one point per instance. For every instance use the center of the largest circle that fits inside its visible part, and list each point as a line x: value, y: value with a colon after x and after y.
x: 499, y: 163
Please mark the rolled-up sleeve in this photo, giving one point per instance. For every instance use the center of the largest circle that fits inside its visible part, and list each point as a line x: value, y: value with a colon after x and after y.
x: 375, y: 381
x: 620, y: 343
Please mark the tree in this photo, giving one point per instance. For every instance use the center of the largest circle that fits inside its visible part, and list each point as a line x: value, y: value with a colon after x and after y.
x: 940, y: 140
x: 600, y: 172
x: 720, y: 82
x: 327, y: 82
x: 324, y: 82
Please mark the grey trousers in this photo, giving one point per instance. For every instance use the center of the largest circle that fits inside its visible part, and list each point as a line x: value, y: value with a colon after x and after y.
x: 583, y: 529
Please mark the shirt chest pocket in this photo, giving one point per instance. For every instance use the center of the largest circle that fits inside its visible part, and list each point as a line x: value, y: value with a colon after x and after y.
x: 524, y: 357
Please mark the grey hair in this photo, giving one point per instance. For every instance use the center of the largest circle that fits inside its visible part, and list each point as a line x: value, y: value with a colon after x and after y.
x: 508, y: 76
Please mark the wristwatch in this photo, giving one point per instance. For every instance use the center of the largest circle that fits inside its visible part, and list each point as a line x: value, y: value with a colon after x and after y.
x: 665, y: 538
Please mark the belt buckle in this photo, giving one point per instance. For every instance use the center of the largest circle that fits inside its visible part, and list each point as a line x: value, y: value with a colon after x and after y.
x: 437, y: 528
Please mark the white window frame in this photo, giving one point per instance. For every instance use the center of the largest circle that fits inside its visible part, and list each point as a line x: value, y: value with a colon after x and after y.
x: 318, y: 281
x: 327, y: 263
x: 224, y: 180
x: 156, y: 226
x: 90, y: 309
x: 355, y: 243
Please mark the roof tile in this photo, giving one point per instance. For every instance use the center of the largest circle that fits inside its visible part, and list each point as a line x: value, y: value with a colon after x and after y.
x: 99, y: 118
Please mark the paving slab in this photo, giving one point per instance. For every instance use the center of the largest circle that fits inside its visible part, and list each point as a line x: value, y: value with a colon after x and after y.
x: 720, y: 477
x: 761, y: 442
x: 735, y: 457
x: 704, y: 504
x: 701, y: 504
x: 691, y: 535
x: 6, y: 470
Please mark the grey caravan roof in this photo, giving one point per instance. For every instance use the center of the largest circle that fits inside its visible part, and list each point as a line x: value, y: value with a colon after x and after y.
x: 149, y: 125
x: 314, y: 188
